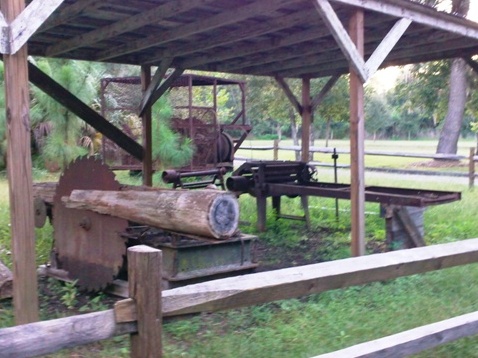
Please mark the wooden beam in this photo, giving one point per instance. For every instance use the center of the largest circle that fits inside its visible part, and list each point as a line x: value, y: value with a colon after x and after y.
x: 29, y: 21
x: 274, y: 25
x: 67, y: 13
x: 317, y: 100
x: 295, y: 282
x: 306, y: 119
x: 357, y: 141
x: 162, y: 89
x: 472, y: 63
x: 419, y: 14
x: 131, y: 23
x: 4, y: 35
x: 413, y: 341
x: 344, y: 41
x: 72, y: 103
x: 19, y: 168
x: 146, y: 119
x: 224, y: 18
x: 154, y: 84
x: 144, y: 282
x: 387, y: 45
x: 289, y: 94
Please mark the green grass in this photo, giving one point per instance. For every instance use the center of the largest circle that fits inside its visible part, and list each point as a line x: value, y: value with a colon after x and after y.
x: 329, y: 321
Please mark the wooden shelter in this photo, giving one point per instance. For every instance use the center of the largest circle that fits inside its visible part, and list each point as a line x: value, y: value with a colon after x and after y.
x: 282, y: 38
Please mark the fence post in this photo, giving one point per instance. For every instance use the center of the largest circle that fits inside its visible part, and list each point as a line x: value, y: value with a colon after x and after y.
x: 471, y: 166
x: 144, y: 282
x: 276, y: 149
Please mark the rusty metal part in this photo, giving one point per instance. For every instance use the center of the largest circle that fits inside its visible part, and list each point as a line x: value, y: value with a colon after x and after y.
x: 264, y: 179
x: 175, y: 177
x: 88, y: 244
x: 39, y: 212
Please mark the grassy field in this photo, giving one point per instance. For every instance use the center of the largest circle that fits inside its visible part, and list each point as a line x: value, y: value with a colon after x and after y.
x: 416, y: 147
x: 320, y: 323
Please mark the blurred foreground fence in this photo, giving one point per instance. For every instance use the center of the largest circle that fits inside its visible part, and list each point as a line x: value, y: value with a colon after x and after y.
x: 471, y: 159
x: 141, y: 315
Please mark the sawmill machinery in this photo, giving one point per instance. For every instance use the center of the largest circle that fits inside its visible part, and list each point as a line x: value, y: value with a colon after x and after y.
x: 95, y: 219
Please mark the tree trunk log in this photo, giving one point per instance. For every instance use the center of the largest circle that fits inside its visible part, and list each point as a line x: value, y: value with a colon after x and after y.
x: 6, y: 282
x: 207, y: 213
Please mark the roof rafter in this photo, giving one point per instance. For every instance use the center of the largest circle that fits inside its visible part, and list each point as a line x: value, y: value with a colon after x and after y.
x: 134, y: 22
x: 68, y: 13
x: 222, y: 19
x: 417, y: 13
x: 280, y: 23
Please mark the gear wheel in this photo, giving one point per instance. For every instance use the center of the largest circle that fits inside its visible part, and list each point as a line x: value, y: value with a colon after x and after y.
x: 88, y: 245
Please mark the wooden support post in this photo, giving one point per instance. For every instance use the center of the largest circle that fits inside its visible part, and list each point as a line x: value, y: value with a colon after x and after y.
x: 471, y: 168
x: 25, y: 286
x: 357, y: 137
x: 276, y: 149
x: 144, y: 279
x: 306, y: 118
x: 147, y: 136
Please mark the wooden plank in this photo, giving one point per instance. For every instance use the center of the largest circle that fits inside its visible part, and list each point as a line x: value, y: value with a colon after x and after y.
x: 274, y: 25
x: 289, y: 94
x: 142, y: 19
x: 4, y: 35
x: 34, y: 339
x: 306, y: 119
x: 295, y: 282
x: 387, y: 45
x: 29, y: 21
x: 67, y: 13
x: 146, y: 131
x: 227, y: 17
x: 420, y: 14
x: 410, y: 227
x: 144, y: 281
x: 72, y: 103
x: 317, y: 100
x: 154, y: 84
x: 357, y: 140
x: 17, y: 103
x: 166, y: 85
x: 346, y: 44
x: 413, y: 341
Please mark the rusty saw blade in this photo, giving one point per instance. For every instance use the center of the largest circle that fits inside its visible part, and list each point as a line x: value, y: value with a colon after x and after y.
x: 88, y: 245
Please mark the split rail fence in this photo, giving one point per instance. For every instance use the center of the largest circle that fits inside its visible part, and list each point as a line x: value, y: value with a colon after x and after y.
x: 141, y: 315
x: 472, y: 158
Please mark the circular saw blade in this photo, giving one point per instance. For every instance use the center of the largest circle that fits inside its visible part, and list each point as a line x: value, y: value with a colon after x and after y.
x: 88, y: 245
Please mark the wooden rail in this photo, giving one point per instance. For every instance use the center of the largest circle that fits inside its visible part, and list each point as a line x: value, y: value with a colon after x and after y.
x: 472, y: 157
x: 142, y: 309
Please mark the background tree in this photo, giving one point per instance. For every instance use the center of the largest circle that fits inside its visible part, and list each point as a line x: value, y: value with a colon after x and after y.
x: 60, y: 135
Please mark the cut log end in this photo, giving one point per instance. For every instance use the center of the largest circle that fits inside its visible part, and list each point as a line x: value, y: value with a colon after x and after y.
x: 224, y: 216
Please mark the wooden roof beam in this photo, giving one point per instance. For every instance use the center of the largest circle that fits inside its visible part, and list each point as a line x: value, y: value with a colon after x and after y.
x: 317, y: 100
x: 131, y: 23
x: 228, y: 17
x: 418, y: 13
x: 158, y: 92
x: 73, y: 104
x: 289, y: 94
x: 29, y: 21
x: 153, y: 85
x: 342, y: 38
x: 277, y: 24
x: 387, y: 45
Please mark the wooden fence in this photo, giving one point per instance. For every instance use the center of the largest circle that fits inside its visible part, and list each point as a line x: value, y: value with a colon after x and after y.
x: 141, y: 314
x: 471, y: 158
